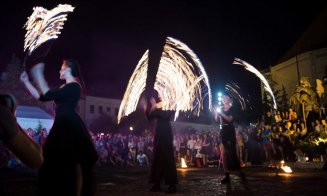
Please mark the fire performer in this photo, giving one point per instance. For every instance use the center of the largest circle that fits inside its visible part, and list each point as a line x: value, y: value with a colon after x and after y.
x: 69, y: 154
x: 227, y: 147
x: 163, y: 165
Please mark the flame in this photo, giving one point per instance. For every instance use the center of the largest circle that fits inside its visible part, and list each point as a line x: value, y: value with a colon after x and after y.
x: 285, y: 168
x: 44, y: 25
x: 183, y: 163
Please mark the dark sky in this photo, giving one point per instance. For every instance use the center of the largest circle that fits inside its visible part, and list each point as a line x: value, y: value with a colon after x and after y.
x: 108, y: 38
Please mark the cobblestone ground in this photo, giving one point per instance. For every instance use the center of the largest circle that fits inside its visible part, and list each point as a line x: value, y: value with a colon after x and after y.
x: 192, y: 181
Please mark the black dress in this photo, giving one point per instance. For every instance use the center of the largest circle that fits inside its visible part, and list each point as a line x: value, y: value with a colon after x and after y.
x: 163, y: 165
x: 228, y: 139
x: 67, y: 144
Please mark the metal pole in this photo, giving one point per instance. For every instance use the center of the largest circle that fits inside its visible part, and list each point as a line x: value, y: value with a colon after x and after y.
x: 298, y: 71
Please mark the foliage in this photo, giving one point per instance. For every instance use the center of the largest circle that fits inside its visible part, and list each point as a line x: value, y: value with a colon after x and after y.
x: 103, y: 123
x: 284, y: 104
x: 266, y: 104
x: 39, y: 127
x: 310, y: 147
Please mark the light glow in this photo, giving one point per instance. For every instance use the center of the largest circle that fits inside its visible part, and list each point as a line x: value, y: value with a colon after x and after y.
x: 183, y: 163
x: 285, y: 168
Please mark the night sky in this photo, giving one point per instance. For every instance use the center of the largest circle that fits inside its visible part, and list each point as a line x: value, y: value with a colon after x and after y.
x: 108, y: 38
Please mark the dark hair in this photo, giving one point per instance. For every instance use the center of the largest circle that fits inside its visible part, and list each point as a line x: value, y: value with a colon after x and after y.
x: 76, y: 72
x: 8, y: 101
x: 75, y: 68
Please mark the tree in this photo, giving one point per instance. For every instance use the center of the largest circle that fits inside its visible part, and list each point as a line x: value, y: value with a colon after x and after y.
x: 103, y: 123
x: 137, y: 120
x: 275, y: 91
x: 39, y: 127
x: 266, y: 104
x: 284, y: 104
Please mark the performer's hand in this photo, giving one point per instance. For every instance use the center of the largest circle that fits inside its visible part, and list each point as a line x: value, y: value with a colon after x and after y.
x: 24, y: 77
x: 219, y: 109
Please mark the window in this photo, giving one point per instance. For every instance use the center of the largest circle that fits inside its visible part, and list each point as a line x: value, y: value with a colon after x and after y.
x: 116, y: 111
x: 91, y: 109
x: 100, y: 110
x: 108, y: 109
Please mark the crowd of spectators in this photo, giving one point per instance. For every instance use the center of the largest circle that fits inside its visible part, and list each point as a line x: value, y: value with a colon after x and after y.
x: 273, y: 138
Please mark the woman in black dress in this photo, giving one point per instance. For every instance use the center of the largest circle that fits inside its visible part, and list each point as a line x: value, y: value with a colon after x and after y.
x: 228, y: 139
x: 163, y: 165
x: 69, y: 154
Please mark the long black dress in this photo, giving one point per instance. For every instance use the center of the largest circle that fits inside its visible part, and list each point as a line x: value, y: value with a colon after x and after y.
x: 163, y: 165
x: 67, y: 144
x: 228, y: 139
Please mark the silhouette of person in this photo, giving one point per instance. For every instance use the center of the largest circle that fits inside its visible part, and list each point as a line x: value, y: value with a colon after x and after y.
x: 228, y: 139
x: 163, y: 165
x: 69, y: 153
x: 26, y: 149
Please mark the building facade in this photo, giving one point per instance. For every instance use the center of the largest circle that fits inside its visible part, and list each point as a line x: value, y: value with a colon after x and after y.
x: 91, y: 107
x: 312, y: 64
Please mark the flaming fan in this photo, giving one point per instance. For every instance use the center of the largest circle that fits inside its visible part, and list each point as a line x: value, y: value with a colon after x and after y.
x: 181, y: 81
x: 44, y: 25
x: 252, y: 69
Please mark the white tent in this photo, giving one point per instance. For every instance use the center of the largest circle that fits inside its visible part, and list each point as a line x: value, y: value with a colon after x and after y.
x: 32, y: 117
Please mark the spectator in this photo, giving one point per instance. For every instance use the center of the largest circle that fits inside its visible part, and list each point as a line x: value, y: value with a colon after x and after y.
x: 142, y: 159
x: 27, y: 150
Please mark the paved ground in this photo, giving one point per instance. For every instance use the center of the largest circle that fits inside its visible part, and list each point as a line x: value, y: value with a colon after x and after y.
x: 192, y: 181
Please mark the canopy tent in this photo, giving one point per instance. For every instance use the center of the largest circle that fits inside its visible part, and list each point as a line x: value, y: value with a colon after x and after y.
x: 33, y: 117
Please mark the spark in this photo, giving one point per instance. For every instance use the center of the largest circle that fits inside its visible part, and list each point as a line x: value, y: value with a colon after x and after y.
x: 135, y: 87
x: 181, y: 81
x: 44, y: 25
x: 252, y: 69
x: 234, y: 91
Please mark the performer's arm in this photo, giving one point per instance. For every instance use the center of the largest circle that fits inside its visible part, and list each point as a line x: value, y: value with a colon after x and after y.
x: 34, y: 92
x: 37, y: 73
